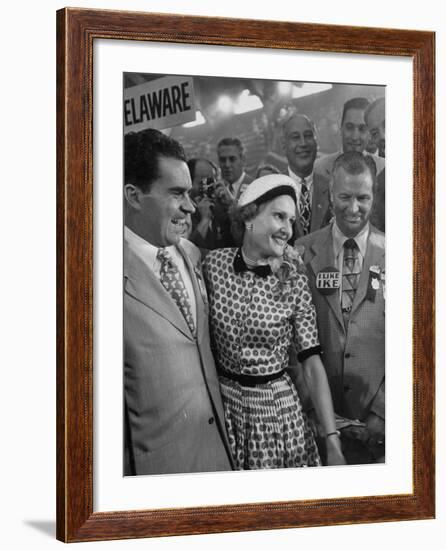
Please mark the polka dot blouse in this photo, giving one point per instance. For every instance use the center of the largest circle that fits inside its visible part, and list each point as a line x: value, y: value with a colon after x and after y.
x: 254, y: 319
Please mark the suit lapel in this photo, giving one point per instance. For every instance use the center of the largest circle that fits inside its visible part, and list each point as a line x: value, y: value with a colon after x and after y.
x: 143, y: 285
x: 373, y: 256
x: 324, y: 257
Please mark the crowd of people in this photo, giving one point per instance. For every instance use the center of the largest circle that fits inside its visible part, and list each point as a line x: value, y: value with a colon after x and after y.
x: 254, y: 307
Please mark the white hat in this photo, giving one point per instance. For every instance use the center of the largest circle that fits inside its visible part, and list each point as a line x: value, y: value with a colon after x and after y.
x: 268, y: 187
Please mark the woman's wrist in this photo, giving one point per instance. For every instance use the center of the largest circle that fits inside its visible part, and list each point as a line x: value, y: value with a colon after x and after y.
x: 334, y: 433
x: 333, y: 441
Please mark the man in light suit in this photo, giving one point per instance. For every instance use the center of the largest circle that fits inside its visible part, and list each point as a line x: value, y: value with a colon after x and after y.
x: 299, y: 142
x: 350, y: 306
x: 355, y: 136
x: 173, y: 411
x: 231, y: 157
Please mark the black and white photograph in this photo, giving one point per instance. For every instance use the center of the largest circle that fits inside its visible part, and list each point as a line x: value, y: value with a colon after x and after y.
x: 213, y: 388
x: 254, y: 274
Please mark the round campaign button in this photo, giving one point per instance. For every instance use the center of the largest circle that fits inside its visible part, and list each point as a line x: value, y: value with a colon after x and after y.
x: 328, y: 280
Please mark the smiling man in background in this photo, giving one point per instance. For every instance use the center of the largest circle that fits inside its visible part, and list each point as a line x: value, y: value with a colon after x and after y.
x: 172, y: 405
x: 355, y: 136
x: 299, y: 142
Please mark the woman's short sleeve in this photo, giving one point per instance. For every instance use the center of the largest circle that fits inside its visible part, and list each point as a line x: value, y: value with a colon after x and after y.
x: 305, y: 325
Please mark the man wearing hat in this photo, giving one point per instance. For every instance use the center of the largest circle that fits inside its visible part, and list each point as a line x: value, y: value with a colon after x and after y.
x: 346, y: 268
x: 260, y: 304
x: 299, y: 142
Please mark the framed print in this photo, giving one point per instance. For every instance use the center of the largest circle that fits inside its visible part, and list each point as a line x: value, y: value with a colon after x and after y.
x: 134, y: 460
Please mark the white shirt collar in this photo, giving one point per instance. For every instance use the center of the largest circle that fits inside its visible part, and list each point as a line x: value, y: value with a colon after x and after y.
x: 339, y: 239
x: 236, y: 185
x: 298, y: 179
x: 147, y: 253
x: 239, y: 181
x: 364, y: 153
x: 145, y: 250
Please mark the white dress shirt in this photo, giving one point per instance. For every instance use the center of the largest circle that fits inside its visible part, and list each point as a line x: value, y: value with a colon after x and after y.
x: 298, y: 181
x: 237, y: 187
x: 148, y: 254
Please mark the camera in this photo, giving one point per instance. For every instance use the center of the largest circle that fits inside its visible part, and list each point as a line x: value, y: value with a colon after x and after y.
x: 206, y: 188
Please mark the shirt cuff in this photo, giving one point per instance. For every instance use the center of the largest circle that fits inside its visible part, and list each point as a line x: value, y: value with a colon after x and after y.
x: 306, y: 353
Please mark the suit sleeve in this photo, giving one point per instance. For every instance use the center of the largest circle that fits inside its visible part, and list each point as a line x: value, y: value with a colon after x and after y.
x: 378, y: 404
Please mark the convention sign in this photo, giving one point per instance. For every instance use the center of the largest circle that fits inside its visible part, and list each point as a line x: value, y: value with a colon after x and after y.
x: 160, y: 103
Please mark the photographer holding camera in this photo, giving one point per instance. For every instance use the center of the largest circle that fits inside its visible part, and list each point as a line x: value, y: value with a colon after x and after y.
x: 211, y: 225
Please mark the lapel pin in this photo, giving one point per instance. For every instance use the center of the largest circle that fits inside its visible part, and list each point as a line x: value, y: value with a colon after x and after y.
x: 374, y: 282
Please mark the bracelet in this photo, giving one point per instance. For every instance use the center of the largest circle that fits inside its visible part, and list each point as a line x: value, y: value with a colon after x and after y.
x: 337, y: 432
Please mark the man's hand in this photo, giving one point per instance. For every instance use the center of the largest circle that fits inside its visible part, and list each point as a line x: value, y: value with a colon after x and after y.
x: 359, y: 433
x: 222, y: 194
x: 205, y: 207
x: 376, y: 427
x: 372, y: 434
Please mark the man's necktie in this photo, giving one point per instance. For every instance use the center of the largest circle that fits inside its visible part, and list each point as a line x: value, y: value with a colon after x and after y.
x: 350, y: 277
x: 304, y: 207
x: 172, y: 281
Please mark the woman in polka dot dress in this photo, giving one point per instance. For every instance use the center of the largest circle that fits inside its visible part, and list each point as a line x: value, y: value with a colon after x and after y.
x: 259, y: 304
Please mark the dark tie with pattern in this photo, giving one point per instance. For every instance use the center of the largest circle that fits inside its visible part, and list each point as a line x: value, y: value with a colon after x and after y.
x: 350, y: 277
x: 304, y: 207
x: 172, y: 281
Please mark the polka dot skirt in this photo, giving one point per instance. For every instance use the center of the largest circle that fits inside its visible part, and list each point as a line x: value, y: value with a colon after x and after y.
x: 253, y: 321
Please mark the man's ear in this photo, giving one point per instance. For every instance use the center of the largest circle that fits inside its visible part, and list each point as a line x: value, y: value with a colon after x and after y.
x: 132, y: 195
x: 330, y: 189
x: 282, y: 141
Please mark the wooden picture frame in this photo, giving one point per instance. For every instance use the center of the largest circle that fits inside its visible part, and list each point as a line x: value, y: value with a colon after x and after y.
x: 77, y: 29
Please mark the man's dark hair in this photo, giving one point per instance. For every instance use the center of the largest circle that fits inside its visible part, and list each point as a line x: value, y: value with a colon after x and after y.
x: 372, y: 107
x: 142, y: 151
x: 360, y: 103
x: 235, y: 142
x: 355, y: 163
